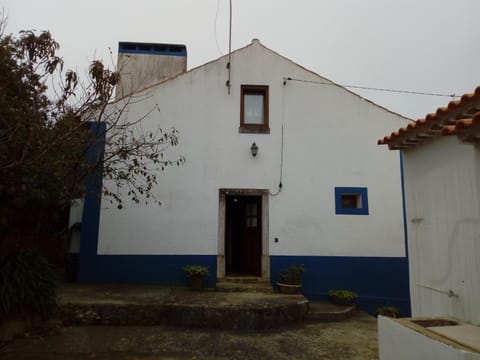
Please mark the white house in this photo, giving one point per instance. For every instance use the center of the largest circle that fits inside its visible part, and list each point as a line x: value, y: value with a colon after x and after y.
x: 318, y: 192
x: 441, y: 169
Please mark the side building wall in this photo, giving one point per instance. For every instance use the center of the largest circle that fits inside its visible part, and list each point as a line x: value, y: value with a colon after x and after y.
x: 444, y: 228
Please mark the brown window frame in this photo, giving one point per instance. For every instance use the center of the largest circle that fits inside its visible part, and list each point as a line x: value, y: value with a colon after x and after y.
x: 254, y: 128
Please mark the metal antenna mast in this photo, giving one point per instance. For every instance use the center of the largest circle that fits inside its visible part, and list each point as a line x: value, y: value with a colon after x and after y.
x: 229, y: 64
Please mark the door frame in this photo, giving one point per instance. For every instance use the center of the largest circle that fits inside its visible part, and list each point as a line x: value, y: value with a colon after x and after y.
x: 265, y: 257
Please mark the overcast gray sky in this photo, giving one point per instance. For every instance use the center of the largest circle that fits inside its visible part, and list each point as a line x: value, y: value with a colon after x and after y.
x: 419, y: 45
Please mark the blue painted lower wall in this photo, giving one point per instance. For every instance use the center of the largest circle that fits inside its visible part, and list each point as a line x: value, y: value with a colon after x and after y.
x: 378, y: 281
x: 161, y: 269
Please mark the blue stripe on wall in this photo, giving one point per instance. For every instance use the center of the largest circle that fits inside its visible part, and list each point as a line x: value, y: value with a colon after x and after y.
x: 379, y: 281
x: 402, y: 179
x: 405, y: 224
x: 91, y: 204
x: 159, y: 269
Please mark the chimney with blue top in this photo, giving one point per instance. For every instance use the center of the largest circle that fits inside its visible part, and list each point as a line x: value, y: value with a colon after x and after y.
x: 144, y: 64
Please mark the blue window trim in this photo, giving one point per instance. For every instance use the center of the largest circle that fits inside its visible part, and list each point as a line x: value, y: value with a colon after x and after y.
x: 405, y: 227
x: 362, y: 191
x: 152, y: 49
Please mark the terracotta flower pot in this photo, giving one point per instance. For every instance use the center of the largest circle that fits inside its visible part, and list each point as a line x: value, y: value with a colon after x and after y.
x: 337, y: 300
x: 289, y: 289
x: 195, y: 282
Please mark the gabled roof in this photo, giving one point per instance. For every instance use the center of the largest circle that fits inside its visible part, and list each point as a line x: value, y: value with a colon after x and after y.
x: 257, y: 42
x: 459, y: 117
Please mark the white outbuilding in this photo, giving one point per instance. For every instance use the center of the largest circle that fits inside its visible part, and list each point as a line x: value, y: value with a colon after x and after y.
x: 441, y: 169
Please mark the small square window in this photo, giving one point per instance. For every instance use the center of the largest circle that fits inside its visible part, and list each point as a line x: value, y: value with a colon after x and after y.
x: 351, y: 201
x: 254, y: 109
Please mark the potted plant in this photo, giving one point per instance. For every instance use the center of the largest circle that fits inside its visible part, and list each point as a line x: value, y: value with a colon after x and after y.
x: 195, y: 275
x: 342, y: 297
x: 290, y: 279
x: 390, y: 311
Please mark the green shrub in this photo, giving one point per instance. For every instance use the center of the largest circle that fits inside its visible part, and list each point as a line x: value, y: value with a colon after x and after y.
x: 291, y: 275
x: 196, y: 270
x: 342, y: 297
x: 27, y: 284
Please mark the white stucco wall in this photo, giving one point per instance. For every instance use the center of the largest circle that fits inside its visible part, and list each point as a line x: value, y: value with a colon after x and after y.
x: 398, y: 342
x: 330, y: 139
x: 442, y: 197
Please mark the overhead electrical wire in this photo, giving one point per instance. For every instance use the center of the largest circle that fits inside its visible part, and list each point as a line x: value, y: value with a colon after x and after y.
x: 373, y: 88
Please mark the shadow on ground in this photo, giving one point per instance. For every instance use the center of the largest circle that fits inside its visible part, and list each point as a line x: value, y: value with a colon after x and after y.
x: 355, y: 338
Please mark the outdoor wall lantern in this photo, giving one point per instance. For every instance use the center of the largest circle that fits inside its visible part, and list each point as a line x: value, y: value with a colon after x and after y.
x: 254, y: 149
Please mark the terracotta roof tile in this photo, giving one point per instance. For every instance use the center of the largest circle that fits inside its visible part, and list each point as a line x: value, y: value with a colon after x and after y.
x: 448, y: 130
x: 460, y: 117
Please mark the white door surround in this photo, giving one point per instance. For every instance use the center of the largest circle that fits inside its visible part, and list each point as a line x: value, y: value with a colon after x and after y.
x: 265, y: 262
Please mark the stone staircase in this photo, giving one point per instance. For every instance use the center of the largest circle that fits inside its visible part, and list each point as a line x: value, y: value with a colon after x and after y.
x: 244, y: 284
x: 145, y: 305
x: 239, y: 303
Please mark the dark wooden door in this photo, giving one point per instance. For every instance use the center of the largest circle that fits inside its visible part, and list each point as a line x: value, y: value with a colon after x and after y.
x: 243, y: 235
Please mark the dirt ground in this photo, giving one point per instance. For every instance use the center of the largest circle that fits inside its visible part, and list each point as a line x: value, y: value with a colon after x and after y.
x: 355, y: 338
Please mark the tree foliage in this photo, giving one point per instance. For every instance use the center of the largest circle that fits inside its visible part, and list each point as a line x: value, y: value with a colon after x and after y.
x: 45, y: 135
x: 27, y: 284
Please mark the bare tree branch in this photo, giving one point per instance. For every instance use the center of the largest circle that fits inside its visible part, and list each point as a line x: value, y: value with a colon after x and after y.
x: 44, y: 141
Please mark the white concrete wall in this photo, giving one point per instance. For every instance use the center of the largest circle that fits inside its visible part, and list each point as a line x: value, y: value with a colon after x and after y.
x: 329, y: 140
x: 398, y: 342
x: 141, y: 70
x: 442, y: 197
x: 75, y: 216
x: 76, y: 212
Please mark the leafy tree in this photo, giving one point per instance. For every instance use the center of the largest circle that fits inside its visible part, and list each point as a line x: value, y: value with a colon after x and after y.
x: 45, y: 135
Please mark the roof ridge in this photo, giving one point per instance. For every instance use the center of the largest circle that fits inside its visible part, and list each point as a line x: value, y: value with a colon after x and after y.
x: 334, y: 83
x: 256, y: 41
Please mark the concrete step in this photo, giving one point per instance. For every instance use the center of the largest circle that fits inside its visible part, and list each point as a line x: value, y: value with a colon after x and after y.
x: 244, y: 284
x: 141, y: 305
x: 239, y: 287
x: 244, y: 280
x: 324, y: 311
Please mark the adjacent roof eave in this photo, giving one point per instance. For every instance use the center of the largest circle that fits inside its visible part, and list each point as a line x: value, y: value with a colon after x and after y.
x: 458, y: 117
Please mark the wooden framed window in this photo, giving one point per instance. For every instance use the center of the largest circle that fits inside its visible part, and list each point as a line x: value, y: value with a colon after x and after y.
x: 254, y: 109
x: 251, y: 215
